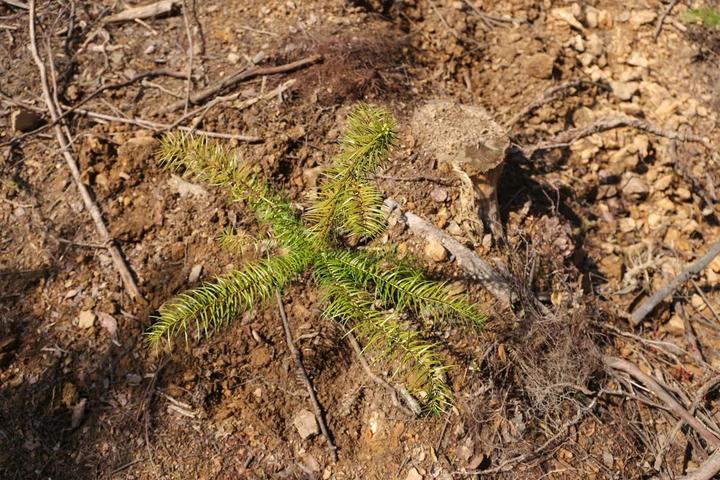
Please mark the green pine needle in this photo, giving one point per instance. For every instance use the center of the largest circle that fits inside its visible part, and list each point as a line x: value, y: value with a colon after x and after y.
x: 346, y: 201
x: 213, y: 305
x: 361, y: 290
x: 395, y: 341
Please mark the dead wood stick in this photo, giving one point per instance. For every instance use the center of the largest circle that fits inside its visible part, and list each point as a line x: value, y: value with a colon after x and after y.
x: 670, y: 402
x: 707, y: 301
x: 468, y: 260
x: 550, y: 95
x: 691, y: 270
x: 240, y: 76
x: 93, y: 94
x: 17, y: 4
x: 302, y: 374
x: 144, y: 11
x: 161, y: 127
x: 568, y: 137
x: 190, y: 54
x: 707, y: 470
x: 228, y: 98
x: 661, y: 19
x: 413, y: 407
x: 115, y: 253
x: 699, y: 396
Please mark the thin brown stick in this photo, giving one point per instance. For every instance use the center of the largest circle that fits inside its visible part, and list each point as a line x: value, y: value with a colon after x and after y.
x: 144, y: 11
x: 228, y: 98
x: 692, y: 340
x: 699, y: 396
x: 190, y: 54
x: 661, y: 19
x: 468, y: 260
x: 707, y: 301
x: 550, y: 95
x: 161, y: 127
x: 93, y: 94
x: 568, y: 137
x: 419, y: 178
x: 17, y: 4
x: 670, y: 402
x: 411, y: 407
x: 240, y: 76
x: 115, y: 253
x: 302, y: 374
x: 492, y: 20
x: 691, y: 270
x: 707, y: 470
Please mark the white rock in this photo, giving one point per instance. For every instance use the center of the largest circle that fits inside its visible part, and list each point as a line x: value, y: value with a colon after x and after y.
x: 233, y: 58
x: 306, y: 424
x: 435, y: 250
x: 86, y: 319
x: 635, y: 187
x: 642, y: 17
x: 624, y: 90
x: 566, y: 15
x: 637, y: 60
x: 413, y: 474
x: 195, y: 273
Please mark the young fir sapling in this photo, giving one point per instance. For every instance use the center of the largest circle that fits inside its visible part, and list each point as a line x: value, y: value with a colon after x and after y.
x: 377, y: 299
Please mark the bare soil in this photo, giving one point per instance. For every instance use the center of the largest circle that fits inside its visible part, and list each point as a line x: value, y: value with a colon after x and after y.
x: 591, y: 229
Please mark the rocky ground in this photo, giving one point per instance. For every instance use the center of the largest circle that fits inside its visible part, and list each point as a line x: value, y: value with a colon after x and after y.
x: 598, y: 212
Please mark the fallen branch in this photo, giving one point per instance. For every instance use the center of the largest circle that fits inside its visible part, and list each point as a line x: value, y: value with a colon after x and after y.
x: 707, y: 470
x: 413, y: 407
x: 670, y: 402
x: 468, y: 260
x: 161, y: 127
x: 661, y: 20
x: 228, y: 98
x: 699, y: 397
x: 550, y: 95
x: 302, y: 374
x: 68, y: 110
x: 54, y: 110
x: 568, y: 137
x: 240, y: 76
x: 691, y: 270
x: 162, y: 7
x: 17, y: 4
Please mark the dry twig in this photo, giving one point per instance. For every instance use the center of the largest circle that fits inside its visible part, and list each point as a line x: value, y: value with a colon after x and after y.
x: 17, y: 4
x: 662, y: 18
x: 240, y: 76
x: 302, y: 374
x: 662, y: 393
x: 54, y: 110
x: 144, y: 11
x: 161, y: 127
x: 691, y: 270
x: 707, y: 470
x: 568, y: 137
x: 699, y: 396
x: 190, y: 54
x: 413, y: 407
x: 468, y: 260
x: 548, y: 96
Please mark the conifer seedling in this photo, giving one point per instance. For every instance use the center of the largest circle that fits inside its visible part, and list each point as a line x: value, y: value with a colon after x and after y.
x: 384, y: 301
